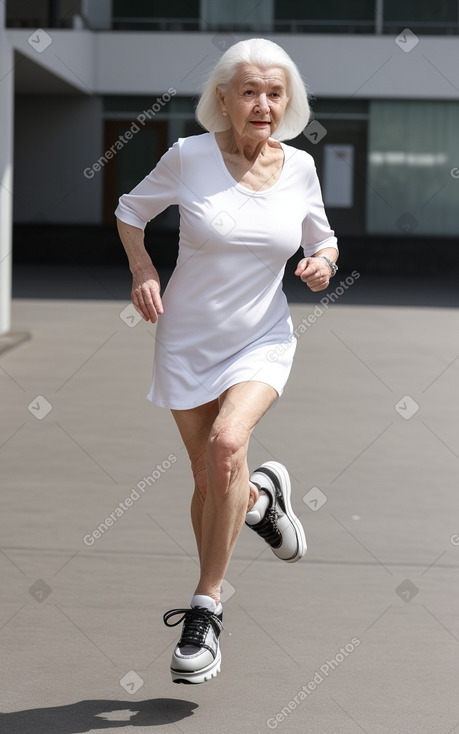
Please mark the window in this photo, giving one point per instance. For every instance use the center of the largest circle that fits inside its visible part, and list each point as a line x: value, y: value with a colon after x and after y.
x: 421, y: 16
x: 175, y: 15
x: 412, y: 149
x: 328, y: 16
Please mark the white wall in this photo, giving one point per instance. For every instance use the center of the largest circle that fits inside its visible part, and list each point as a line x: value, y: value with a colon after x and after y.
x: 56, y: 138
x: 70, y: 55
x: 333, y: 65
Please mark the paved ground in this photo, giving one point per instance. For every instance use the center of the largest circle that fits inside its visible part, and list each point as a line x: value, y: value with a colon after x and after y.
x: 360, y: 636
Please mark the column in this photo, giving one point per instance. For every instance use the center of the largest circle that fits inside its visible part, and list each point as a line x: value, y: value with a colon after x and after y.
x: 6, y: 173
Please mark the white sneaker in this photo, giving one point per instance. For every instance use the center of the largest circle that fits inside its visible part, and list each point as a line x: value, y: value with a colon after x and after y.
x: 279, y: 526
x: 197, y: 657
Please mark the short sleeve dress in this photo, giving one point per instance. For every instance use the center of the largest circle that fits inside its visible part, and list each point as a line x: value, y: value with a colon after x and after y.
x: 224, y: 308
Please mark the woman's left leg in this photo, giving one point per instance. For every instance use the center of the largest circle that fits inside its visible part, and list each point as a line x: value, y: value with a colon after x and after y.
x: 196, y: 426
x: 228, y: 489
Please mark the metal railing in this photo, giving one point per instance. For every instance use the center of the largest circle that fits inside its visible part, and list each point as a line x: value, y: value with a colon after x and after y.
x: 374, y: 26
x: 428, y: 27
x: 276, y: 26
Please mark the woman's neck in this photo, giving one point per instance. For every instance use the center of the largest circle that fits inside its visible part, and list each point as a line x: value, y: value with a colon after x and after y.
x: 229, y: 142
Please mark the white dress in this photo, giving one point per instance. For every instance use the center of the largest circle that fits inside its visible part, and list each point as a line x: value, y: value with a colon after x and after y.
x: 224, y: 308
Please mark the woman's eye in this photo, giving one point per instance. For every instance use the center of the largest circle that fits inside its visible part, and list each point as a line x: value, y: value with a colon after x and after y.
x: 248, y: 92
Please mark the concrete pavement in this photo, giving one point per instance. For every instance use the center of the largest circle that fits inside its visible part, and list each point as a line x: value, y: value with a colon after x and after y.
x: 360, y: 636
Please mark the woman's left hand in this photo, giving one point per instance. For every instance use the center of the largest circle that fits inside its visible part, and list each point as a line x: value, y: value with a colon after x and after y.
x: 315, y: 272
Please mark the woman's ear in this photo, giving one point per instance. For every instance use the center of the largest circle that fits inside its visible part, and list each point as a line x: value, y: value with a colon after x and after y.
x: 220, y: 98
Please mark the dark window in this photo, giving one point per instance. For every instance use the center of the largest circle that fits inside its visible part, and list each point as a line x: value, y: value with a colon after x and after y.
x: 325, y: 10
x: 421, y: 10
x: 328, y: 16
x: 421, y: 16
x: 152, y: 15
x: 155, y: 9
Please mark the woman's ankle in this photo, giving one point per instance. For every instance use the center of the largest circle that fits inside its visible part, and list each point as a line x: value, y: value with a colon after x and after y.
x: 254, y: 496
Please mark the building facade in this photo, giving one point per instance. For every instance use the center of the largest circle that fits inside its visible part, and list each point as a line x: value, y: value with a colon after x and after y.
x: 99, y: 89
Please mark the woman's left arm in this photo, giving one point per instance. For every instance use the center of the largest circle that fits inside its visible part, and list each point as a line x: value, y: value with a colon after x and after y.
x: 315, y: 271
x: 318, y: 239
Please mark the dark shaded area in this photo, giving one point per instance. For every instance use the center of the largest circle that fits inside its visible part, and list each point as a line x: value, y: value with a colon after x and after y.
x: 114, y: 283
x: 89, y: 263
x: 83, y: 245
x: 83, y: 716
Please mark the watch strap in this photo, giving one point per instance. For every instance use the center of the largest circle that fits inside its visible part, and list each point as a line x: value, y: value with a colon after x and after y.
x: 333, y: 266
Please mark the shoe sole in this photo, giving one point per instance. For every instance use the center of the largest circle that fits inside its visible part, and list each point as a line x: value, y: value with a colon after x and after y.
x: 199, y: 676
x: 284, y: 480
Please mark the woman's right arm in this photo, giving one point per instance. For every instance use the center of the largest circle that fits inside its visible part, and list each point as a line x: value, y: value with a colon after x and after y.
x: 146, y: 287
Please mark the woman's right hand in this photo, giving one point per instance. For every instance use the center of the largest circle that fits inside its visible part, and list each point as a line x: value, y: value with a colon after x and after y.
x: 146, y: 293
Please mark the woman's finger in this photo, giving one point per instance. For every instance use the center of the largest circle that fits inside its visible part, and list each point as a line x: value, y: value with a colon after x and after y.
x: 301, y: 267
x: 318, y: 284
x: 152, y: 298
x: 137, y: 301
x: 146, y: 298
x: 145, y: 301
x: 157, y: 302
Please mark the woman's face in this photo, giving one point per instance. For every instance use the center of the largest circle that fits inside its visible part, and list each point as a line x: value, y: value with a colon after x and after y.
x: 255, y: 100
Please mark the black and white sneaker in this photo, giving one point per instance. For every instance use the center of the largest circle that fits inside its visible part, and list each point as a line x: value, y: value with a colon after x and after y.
x: 278, y: 526
x: 197, y: 657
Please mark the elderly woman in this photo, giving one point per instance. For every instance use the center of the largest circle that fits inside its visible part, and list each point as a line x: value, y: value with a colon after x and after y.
x: 247, y: 202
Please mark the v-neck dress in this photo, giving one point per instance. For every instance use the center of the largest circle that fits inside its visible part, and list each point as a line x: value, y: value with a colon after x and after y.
x: 226, y: 318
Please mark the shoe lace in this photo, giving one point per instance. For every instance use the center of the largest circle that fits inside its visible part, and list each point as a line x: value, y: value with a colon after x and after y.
x: 267, y: 528
x: 196, y: 622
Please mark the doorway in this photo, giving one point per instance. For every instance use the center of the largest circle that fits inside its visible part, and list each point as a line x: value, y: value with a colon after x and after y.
x: 134, y: 156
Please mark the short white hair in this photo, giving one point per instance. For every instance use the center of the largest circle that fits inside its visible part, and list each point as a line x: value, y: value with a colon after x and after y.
x: 266, y: 54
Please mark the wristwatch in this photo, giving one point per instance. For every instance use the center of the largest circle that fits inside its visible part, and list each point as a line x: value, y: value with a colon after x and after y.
x: 333, y: 266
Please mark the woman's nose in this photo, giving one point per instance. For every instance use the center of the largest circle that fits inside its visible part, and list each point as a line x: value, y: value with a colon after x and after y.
x: 263, y: 103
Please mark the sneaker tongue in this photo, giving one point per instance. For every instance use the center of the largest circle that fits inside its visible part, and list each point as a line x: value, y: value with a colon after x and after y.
x: 201, y: 601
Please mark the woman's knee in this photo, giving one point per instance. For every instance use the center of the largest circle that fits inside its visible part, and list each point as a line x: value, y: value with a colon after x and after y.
x: 227, y: 447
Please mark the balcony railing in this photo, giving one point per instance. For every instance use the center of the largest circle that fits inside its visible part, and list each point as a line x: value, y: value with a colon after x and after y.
x: 83, y: 15
x: 276, y: 26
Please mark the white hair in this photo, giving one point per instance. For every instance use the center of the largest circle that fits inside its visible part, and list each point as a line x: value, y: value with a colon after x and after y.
x: 266, y: 54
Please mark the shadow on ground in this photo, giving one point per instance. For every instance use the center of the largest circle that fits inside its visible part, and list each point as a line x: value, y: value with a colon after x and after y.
x: 85, y: 716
